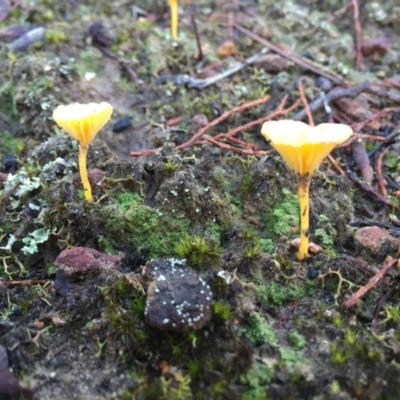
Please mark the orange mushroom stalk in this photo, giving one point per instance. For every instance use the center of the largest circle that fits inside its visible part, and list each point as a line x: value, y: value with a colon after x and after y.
x: 173, y: 4
x: 303, y: 147
x: 83, y: 122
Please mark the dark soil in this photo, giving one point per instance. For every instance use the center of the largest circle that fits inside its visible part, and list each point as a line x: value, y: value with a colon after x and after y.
x: 276, y: 327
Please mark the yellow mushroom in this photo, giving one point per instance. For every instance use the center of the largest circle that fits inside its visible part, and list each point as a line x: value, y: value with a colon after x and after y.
x: 303, y: 147
x: 173, y: 4
x: 83, y: 122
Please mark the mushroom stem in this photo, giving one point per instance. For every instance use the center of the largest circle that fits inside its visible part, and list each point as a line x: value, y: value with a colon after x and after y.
x: 174, y: 19
x: 304, y: 200
x: 83, y: 149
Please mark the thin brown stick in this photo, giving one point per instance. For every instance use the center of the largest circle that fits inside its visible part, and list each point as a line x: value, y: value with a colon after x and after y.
x: 361, y: 158
x: 333, y: 95
x: 357, y: 127
x: 203, y: 130
x: 279, y: 111
x: 216, y: 140
x: 379, y: 174
x: 224, y: 116
x: 229, y: 147
x: 358, y: 29
x: 200, y: 54
x: 306, y: 106
x: 371, y: 283
x: 370, y: 190
x: 296, y: 59
x: 24, y: 282
x: 336, y: 165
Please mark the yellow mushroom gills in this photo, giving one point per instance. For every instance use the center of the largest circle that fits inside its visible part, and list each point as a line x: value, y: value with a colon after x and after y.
x: 303, y: 147
x: 83, y: 122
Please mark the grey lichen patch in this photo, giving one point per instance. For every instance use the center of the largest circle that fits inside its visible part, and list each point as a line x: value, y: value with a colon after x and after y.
x: 178, y: 299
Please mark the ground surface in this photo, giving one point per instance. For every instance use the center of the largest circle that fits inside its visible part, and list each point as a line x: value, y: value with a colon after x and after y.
x: 277, y: 327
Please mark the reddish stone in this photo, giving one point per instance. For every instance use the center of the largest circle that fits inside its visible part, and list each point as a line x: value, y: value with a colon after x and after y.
x: 81, y: 259
x: 375, y: 241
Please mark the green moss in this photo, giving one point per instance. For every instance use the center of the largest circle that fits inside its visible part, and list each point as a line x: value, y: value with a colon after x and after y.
x: 170, y: 165
x: 198, y: 251
x: 279, y: 294
x: 106, y: 245
x: 247, y: 185
x: 253, y: 251
x: 9, y: 144
x: 55, y: 36
x: 289, y: 356
x: 173, y: 389
x: 338, y: 319
x: 325, y: 233
x: 339, y: 354
x: 129, y: 223
x: 144, y: 228
x: 259, y: 332
x: 124, y: 313
x: 221, y: 310
x: 256, y: 379
x: 267, y: 245
x: 297, y: 340
x: 128, y: 199
x: 283, y: 218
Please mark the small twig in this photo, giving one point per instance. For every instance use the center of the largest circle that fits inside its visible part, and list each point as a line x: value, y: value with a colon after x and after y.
x: 379, y: 304
x: 370, y: 190
x: 336, y: 165
x: 108, y: 53
x: 224, y: 116
x: 197, y: 36
x: 203, y: 83
x: 279, y: 111
x: 296, y: 59
x: 194, y: 83
x: 357, y: 127
x: 287, y: 314
x: 216, y: 140
x: 229, y: 147
x: 371, y: 283
x: 385, y: 141
x: 203, y: 130
x: 331, y: 96
x: 24, y: 282
x: 362, y: 160
x: 306, y: 106
x: 358, y: 29
x: 363, y: 223
x: 379, y: 174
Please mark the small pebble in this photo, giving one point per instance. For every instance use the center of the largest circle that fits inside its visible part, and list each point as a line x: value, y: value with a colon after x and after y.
x: 226, y: 49
x: 122, y: 124
x: 10, y: 164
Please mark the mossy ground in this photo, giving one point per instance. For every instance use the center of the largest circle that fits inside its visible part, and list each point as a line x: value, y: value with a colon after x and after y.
x: 278, y: 330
